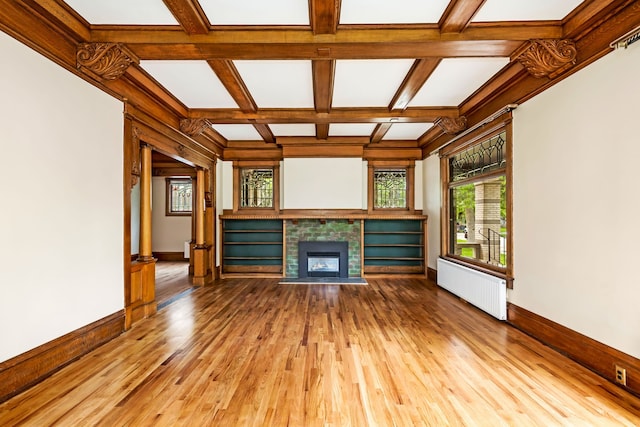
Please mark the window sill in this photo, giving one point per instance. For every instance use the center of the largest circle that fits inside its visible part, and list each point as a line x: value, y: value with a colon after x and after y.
x: 483, y: 268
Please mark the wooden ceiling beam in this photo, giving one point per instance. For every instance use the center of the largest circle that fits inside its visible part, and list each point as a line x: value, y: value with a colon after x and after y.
x: 458, y: 15
x: 265, y: 133
x: 336, y: 115
x: 379, y: 132
x: 232, y: 81
x: 323, y: 74
x: 324, y: 16
x: 417, y: 76
x: 190, y: 15
x: 62, y: 17
x: 322, y: 131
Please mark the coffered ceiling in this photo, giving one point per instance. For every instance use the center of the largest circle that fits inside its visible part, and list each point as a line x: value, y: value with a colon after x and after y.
x: 262, y: 74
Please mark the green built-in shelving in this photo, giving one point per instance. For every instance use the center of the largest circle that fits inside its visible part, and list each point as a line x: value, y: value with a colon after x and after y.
x: 394, y: 246
x: 252, y: 246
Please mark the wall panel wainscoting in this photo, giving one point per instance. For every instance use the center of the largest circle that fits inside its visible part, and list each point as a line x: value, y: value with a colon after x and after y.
x: 24, y: 370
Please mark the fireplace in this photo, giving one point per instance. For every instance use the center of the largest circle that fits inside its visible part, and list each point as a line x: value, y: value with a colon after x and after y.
x: 323, y: 259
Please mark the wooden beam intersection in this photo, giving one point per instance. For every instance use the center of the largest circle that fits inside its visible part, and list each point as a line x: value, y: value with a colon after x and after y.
x: 336, y: 115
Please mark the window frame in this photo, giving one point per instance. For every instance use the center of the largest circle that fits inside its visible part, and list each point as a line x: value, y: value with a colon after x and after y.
x: 491, y: 129
x: 168, y: 196
x: 238, y: 166
x: 408, y: 166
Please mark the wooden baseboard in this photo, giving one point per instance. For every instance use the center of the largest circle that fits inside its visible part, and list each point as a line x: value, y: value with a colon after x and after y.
x: 590, y: 353
x: 432, y: 274
x: 23, y: 371
x: 170, y: 256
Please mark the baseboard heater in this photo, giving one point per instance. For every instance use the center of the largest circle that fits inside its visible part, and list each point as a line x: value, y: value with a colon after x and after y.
x: 487, y: 292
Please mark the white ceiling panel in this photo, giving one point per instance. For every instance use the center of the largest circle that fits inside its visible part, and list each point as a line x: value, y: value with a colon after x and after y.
x: 296, y: 129
x: 238, y: 132
x: 510, y: 10
x: 391, y: 12
x: 455, y: 79
x: 368, y: 82
x: 124, y: 12
x: 192, y: 82
x: 256, y: 12
x: 406, y: 131
x: 351, y: 129
x: 278, y: 84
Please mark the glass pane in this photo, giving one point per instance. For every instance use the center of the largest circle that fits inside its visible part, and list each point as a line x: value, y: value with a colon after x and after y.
x: 256, y: 188
x: 479, y: 221
x: 479, y: 159
x: 180, y: 196
x: 390, y: 188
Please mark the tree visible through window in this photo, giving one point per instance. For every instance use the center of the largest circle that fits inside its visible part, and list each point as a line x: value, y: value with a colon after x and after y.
x: 390, y: 188
x: 179, y: 196
x: 256, y: 188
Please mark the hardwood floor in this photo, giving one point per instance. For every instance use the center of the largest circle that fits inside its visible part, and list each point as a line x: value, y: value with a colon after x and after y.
x: 250, y: 352
x: 172, y: 279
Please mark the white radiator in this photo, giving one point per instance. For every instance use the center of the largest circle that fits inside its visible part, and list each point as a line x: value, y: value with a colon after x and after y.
x: 488, y: 293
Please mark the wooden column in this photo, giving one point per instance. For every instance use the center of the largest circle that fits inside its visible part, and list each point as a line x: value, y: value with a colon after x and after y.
x: 145, y: 253
x: 210, y: 220
x: 141, y: 300
x: 200, y: 250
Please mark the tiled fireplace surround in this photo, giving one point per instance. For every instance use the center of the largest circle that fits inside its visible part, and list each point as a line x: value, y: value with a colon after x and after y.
x: 329, y: 230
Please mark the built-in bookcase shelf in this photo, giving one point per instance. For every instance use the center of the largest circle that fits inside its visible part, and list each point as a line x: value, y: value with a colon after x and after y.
x: 394, y: 246
x: 252, y: 246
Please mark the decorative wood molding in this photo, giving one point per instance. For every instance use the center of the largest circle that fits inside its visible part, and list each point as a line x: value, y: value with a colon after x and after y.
x: 194, y: 127
x: 452, y: 125
x: 299, y: 214
x: 25, y: 370
x: 135, y: 156
x: 548, y: 58
x: 104, y: 61
x: 595, y: 355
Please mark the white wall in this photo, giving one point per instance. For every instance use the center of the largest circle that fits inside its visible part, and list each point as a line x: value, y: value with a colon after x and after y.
x: 168, y: 232
x: 431, y: 190
x: 61, y: 229
x: 323, y: 183
x: 576, y: 202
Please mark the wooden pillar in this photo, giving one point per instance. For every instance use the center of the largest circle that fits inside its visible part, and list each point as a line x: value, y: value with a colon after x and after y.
x: 141, y: 300
x: 145, y: 253
x: 210, y: 220
x: 200, y: 251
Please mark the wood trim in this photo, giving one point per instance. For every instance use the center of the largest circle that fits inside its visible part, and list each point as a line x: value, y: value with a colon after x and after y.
x: 354, y: 214
x: 432, y: 274
x: 588, y: 352
x: 392, y: 269
x: 169, y: 256
x: 23, y: 371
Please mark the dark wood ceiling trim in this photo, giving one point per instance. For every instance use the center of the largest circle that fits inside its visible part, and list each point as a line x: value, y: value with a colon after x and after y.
x: 458, y: 15
x: 265, y: 133
x: 419, y: 73
x: 323, y: 77
x: 190, y: 15
x: 232, y: 81
x: 379, y: 132
x: 322, y: 131
x: 334, y: 140
x: 590, y: 14
x: 336, y: 115
x: 62, y: 17
x: 324, y: 16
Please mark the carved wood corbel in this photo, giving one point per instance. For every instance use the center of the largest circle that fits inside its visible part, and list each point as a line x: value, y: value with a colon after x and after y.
x: 548, y: 58
x: 104, y: 61
x: 194, y: 127
x: 135, y: 156
x: 452, y: 125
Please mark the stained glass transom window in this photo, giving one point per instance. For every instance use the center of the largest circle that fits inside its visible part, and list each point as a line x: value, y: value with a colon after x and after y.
x: 481, y: 158
x: 256, y: 188
x: 390, y: 188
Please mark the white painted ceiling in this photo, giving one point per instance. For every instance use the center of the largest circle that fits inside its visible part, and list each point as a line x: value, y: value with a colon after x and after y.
x: 288, y: 84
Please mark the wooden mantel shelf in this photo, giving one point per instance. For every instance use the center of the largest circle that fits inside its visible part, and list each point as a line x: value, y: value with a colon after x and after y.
x: 323, y: 214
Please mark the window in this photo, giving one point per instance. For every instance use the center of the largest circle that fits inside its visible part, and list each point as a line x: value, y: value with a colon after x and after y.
x: 179, y: 192
x: 256, y: 186
x: 478, y: 187
x: 390, y: 185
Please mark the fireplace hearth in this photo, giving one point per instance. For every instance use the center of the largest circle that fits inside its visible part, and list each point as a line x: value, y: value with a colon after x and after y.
x: 323, y: 259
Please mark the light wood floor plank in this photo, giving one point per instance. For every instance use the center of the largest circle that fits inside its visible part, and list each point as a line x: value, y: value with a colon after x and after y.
x: 250, y: 352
